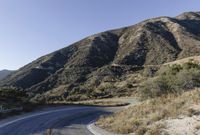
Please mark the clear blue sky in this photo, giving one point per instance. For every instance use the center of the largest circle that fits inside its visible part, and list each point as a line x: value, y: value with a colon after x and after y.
x: 32, y: 28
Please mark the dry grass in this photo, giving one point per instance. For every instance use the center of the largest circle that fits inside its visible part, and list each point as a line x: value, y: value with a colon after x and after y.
x: 156, y: 129
x: 181, y: 61
x: 102, y: 103
x: 109, y: 102
x: 141, y: 118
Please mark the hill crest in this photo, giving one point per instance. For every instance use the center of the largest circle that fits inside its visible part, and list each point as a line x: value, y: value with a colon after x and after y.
x: 97, y: 65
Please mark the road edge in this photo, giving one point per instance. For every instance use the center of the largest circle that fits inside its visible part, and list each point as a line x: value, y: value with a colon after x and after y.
x: 97, y: 130
x: 6, y: 123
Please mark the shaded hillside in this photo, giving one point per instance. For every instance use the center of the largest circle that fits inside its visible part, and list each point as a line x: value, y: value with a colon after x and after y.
x: 4, y: 73
x: 109, y: 63
x: 173, y: 94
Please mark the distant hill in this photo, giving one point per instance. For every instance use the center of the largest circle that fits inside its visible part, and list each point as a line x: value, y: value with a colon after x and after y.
x: 109, y: 63
x: 4, y: 73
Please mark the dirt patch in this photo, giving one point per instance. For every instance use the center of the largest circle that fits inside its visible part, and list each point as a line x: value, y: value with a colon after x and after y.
x: 183, y: 126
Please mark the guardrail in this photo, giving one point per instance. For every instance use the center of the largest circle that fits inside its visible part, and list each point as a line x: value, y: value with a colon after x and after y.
x: 11, y: 110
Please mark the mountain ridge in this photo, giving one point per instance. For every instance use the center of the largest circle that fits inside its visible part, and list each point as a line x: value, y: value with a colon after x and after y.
x: 108, y: 57
x: 4, y: 73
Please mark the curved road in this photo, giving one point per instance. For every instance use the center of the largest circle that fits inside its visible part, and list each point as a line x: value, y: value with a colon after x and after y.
x: 70, y: 120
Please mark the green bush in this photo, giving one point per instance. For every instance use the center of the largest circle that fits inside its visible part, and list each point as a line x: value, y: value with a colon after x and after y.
x: 173, y: 79
x: 14, y: 94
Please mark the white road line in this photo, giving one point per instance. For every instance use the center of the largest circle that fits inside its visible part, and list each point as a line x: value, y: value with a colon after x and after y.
x: 89, y: 127
x: 97, y: 130
x: 38, y: 114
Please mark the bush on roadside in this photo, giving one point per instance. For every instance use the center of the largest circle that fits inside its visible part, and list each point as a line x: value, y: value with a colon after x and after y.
x: 148, y: 116
x: 173, y: 79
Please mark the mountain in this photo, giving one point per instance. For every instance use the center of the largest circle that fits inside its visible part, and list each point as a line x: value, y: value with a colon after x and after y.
x: 4, y: 73
x: 109, y: 63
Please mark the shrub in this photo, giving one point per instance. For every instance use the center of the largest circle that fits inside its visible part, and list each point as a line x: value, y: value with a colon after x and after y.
x: 173, y: 79
x: 150, y: 71
x: 12, y: 94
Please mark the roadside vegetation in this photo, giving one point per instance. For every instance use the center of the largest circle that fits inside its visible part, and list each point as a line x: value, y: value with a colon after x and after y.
x: 108, y: 102
x: 173, y: 92
x: 11, y: 98
x: 172, y: 79
x: 102, y: 102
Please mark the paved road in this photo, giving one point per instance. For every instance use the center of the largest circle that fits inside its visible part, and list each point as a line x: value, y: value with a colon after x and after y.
x: 62, y: 120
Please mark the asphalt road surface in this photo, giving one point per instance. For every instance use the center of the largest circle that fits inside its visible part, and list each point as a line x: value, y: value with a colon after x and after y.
x: 70, y: 120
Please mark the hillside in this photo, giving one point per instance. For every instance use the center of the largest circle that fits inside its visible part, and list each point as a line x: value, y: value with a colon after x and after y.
x: 161, y: 116
x: 4, y: 73
x: 169, y: 104
x: 181, y: 61
x: 109, y: 63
